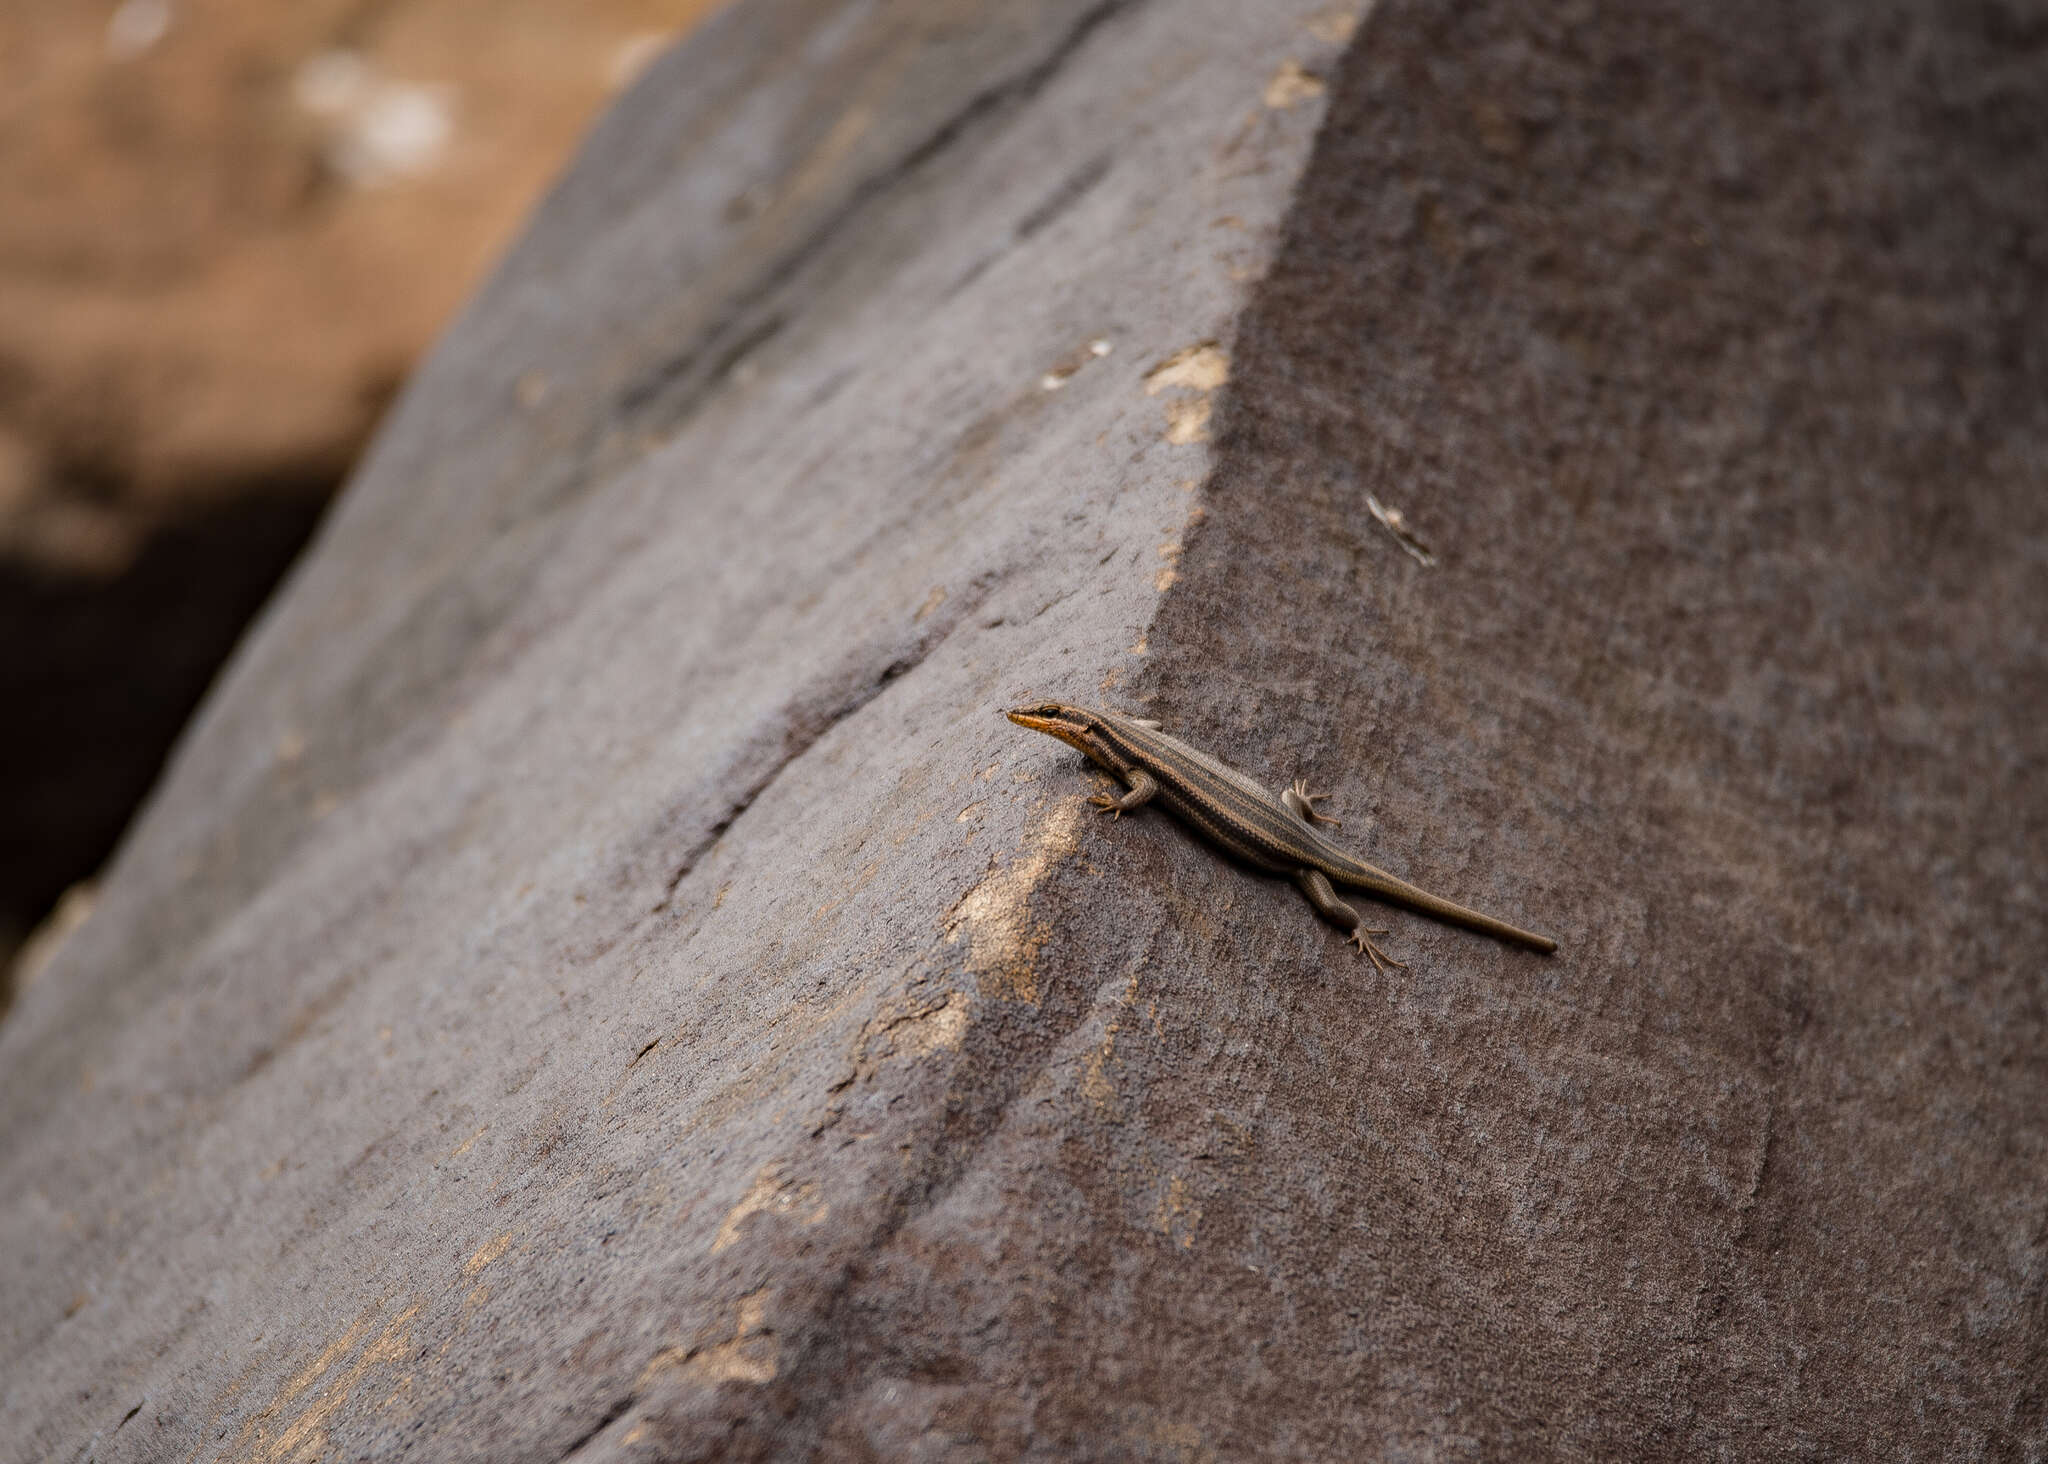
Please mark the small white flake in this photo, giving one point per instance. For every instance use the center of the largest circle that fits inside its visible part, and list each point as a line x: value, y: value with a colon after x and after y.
x: 1392, y: 521
x: 329, y: 84
x: 380, y: 129
x: 135, y: 26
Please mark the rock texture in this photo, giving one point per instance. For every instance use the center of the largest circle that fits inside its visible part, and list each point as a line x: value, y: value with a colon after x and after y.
x: 600, y: 981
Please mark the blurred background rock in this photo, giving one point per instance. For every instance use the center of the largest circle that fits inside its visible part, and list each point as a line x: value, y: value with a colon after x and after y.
x: 230, y: 226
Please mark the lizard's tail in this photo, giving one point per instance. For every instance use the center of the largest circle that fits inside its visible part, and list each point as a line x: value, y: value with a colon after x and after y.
x: 1400, y: 892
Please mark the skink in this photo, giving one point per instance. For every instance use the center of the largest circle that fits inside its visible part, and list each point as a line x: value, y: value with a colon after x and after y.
x: 1238, y: 815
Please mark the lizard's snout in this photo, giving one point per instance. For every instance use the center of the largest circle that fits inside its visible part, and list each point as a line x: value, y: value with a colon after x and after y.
x: 1035, y: 715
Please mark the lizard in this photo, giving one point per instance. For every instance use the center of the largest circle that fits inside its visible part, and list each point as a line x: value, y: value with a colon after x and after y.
x: 1238, y: 815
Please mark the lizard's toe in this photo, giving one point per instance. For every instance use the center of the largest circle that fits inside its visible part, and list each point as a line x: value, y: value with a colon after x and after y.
x: 1381, y: 961
x: 1306, y: 803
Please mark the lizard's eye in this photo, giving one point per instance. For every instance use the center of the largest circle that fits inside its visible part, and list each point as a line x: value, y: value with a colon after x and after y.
x: 1046, y: 716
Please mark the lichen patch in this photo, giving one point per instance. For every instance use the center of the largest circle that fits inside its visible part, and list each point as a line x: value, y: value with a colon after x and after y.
x: 773, y: 1192
x: 994, y: 918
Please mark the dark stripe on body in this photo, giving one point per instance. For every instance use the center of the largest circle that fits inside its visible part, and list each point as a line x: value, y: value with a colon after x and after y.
x: 1260, y: 830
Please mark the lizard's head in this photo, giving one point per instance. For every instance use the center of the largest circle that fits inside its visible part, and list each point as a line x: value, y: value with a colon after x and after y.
x: 1074, y: 726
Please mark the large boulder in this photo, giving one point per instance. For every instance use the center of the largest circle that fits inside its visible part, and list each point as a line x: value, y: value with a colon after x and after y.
x: 600, y: 979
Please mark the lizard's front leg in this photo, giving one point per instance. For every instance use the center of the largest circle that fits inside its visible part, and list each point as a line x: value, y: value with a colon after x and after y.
x: 1303, y: 803
x: 1143, y: 786
x: 1316, y: 885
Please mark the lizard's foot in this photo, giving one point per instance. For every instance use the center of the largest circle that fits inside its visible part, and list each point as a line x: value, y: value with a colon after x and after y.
x: 1380, y: 959
x: 1304, y: 803
x: 1114, y: 807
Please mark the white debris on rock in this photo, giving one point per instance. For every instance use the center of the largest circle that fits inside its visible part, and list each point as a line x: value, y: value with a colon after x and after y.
x: 135, y: 26
x: 379, y: 129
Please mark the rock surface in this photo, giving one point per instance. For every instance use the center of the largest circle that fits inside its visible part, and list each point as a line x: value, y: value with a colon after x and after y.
x: 599, y: 980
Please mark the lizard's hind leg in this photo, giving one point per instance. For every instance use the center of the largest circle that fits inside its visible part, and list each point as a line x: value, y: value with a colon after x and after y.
x: 1303, y: 803
x: 1316, y: 885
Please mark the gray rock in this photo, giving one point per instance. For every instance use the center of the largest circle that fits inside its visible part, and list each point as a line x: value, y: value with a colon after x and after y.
x: 600, y: 979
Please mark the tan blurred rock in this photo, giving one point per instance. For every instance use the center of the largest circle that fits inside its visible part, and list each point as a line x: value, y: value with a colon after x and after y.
x: 27, y: 963
x: 228, y: 228
x: 241, y: 222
